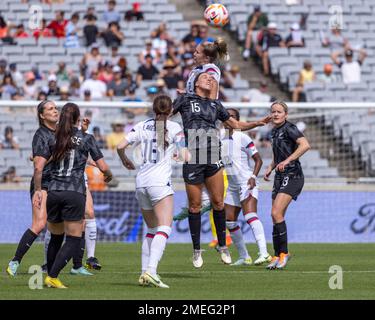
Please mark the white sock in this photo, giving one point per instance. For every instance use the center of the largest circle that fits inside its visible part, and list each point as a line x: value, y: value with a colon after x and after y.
x: 90, y: 237
x: 236, y: 234
x: 146, y: 245
x: 157, y: 248
x: 258, y: 231
x: 47, y: 238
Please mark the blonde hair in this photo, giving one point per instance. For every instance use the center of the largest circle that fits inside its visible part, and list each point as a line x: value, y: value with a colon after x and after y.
x: 217, y: 50
x: 281, y: 103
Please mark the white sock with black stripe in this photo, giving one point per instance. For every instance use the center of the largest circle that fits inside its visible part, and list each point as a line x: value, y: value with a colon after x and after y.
x: 258, y: 231
x: 157, y: 248
x: 236, y: 235
x: 146, y: 245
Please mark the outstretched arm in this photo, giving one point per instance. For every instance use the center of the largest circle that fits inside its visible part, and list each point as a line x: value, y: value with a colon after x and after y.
x: 244, y: 126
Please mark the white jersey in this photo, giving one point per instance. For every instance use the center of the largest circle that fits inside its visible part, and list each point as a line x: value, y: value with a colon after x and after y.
x: 237, y: 152
x: 209, y: 68
x: 156, y: 169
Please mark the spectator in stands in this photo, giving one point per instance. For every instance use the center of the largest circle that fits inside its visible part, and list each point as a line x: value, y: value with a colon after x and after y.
x: 58, y: 25
x: 230, y: 77
x: 90, y: 14
x: 90, y: 30
x: 328, y: 76
x: 187, y: 65
x: 37, y: 74
x: 194, y: 33
x: 307, y: 74
x: 16, y: 75
x: 146, y: 71
x: 20, y: 32
x: 74, y: 87
x: 64, y: 93
x: 30, y: 89
x: 105, y: 72
x: 113, y: 35
x: 335, y: 41
x: 152, y: 92
x: 100, y: 140
x: 53, y: 89
x: 62, y: 73
x: 96, y: 87
x: 123, y: 64
x: 160, y: 44
x: 3, y: 66
x: 261, y: 94
x: 8, y: 140
x: 130, y: 94
x: 87, y: 96
x: 269, y: 38
x: 8, y: 87
x: 91, y: 60
x: 114, y: 57
x: 295, y: 38
x: 135, y: 14
x: 203, y: 35
x: 130, y: 123
x: 71, y: 31
x: 43, y: 31
x: 116, y: 136
x: 4, y: 30
x: 10, y: 176
x: 148, y: 51
x: 161, y: 87
x: 350, y: 69
x: 256, y: 21
x: 42, y: 96
x: 111, y: 15
x: 172, y: 79
x: 118, y: 85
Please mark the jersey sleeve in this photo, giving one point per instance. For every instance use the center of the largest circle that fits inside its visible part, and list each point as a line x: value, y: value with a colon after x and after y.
x: 133, y: 136
x: 294, y: 133
x: 41, y: 147
x: 222, y: 113
x: 249, y: 145
x: 93, y: 149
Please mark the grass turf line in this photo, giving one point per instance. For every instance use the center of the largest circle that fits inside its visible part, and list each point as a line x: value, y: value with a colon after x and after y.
x: 306, y: 276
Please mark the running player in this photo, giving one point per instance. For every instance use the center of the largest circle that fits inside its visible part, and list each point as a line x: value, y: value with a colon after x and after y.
x: 243, y: 190
x: 154, y: 192
x: 48, y: 116
x: 66, y: 191
x: 288, y: 145
x: 199, y: 115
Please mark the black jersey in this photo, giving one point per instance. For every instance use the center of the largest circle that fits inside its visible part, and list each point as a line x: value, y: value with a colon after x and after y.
x: 68, y: 174
x: 200, y: 113
x: 43, y: 140
x: 284, y: 143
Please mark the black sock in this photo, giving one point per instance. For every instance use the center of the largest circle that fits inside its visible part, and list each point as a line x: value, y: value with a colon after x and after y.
x: 77, y: 258
x: 53, y: 248
x: 24, y: 245
x: 220, y: 225
x: 67, y: 251
x: 276, y: 242
x: 195, y: 229
x: 283, y: 236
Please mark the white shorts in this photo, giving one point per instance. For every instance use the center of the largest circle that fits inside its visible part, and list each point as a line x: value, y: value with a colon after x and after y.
x: 148, y: 197
x: 238, y: 193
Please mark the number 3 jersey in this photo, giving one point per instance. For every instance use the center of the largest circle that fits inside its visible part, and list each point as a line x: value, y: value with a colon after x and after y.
x: 237, y: 152
x: 68, y: 174
x: 156, y: 169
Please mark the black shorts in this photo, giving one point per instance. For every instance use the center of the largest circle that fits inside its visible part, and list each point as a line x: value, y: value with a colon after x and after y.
x: 289, y: 184
x: 197, y: 173
x: 65, y: 206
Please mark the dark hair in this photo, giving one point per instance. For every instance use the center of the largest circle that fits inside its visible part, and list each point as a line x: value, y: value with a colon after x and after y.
x: 237, y: 113
x: 75, y: 15
x: 64, y: 133
x: 3, y: 24
x: 8, y: 75
x: 217, y: 50
x: 162, y: 107
x: 7, y: 130
x: 40, y: 109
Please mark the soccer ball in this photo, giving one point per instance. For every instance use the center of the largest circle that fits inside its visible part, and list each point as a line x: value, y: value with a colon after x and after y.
x: 216, y: 15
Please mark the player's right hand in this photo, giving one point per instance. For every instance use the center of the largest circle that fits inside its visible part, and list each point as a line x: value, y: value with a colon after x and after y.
x: 267, y: 174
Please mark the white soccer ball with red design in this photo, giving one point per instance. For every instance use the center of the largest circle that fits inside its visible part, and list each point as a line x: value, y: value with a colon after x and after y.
x: 216, y: 15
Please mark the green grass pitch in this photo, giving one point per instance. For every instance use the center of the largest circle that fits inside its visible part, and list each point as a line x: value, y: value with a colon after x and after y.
x: 306, y: 277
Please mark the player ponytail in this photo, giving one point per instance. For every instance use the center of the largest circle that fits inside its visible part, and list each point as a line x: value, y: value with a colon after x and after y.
x: 40, y: 110
x: 68, y: 119
x: 162, y: 107
x: 217, y: 50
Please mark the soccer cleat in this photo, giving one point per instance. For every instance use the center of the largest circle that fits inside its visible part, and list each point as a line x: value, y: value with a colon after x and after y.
x: 262, y: 259
x: 141, y: 280
x: 44, y: 268
x: 93, y: 263
x: 197, y: 258
x: 273, y: 263
x: 284, y: 258
x: 80, y: 271
x: 243, y: 262
x: 12, y: 268
x: 153, y: 280
x: 54, y: 283
x: 224, y: 255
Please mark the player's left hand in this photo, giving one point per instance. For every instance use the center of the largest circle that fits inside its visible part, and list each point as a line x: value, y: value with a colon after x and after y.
x: 85, y: 124
x: 251, y: 183
x: 281, y: 166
